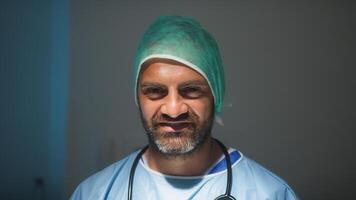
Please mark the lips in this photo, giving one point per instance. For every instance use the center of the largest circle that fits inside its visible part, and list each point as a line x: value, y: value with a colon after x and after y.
x: 174, y: 126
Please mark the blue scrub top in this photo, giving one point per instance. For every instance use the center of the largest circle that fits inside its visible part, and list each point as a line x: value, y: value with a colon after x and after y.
x: 250, y: 181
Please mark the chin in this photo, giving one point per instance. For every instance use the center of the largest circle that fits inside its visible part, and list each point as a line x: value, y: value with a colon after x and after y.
x: 175, y: 144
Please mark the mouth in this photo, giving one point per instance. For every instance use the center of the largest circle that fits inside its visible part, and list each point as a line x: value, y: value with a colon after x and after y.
x: 174, y: 126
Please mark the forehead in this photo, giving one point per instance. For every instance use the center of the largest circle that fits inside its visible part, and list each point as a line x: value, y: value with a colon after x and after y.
x: 170, y: 72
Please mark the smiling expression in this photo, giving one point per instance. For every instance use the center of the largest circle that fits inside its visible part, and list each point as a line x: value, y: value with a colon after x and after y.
x: 176, y: 106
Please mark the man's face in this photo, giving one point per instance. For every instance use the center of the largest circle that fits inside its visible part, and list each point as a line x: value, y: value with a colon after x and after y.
x: 176, y: 106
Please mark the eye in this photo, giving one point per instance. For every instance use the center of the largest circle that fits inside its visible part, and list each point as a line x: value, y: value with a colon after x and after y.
x: 154, y: 92
x: 191, y: 92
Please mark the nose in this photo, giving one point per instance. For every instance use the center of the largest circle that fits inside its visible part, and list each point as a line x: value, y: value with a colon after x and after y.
x: 174, y: 105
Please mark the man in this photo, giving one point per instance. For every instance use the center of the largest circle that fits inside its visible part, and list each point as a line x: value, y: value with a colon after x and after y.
x: 179, y: 88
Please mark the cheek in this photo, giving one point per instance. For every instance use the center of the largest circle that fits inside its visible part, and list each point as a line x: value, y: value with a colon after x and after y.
x: 202, y: 109
x: 148, y: 109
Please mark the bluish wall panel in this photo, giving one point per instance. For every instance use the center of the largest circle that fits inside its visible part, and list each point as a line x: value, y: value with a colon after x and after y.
x: 32, y: 98
x: 58, y: 93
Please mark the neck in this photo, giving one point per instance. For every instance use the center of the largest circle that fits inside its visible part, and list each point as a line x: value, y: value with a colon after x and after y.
x: 193, y: 164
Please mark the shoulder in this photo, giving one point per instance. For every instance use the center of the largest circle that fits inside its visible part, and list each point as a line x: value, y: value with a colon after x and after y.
x: 95, y: 186
x: 263, y: 182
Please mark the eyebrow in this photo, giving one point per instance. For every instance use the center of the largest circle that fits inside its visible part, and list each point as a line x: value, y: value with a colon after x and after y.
x: 146, y: 84
x: 186, y: 83
x: 194, y: 83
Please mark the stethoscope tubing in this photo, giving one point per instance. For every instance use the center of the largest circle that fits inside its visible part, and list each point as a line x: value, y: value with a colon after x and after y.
x: 226, y: 196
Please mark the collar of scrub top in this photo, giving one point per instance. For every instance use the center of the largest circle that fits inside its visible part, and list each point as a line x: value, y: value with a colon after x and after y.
x: 226, y: 196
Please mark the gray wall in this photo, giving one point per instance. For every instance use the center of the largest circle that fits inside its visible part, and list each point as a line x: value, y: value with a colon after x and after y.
x: 289, y: 73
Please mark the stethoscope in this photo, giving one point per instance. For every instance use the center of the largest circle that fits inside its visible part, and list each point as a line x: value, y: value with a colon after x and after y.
x: 226, y: 196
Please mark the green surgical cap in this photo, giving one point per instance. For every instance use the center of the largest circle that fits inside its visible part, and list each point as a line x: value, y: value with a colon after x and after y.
x: 184, y: 40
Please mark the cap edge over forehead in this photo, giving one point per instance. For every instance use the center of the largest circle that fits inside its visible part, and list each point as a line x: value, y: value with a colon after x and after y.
x: 175, y: 58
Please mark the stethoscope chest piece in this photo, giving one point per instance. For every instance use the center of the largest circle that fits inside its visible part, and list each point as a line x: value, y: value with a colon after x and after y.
x: 225, y: 197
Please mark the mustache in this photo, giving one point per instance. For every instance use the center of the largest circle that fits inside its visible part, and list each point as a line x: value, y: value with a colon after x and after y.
x: 184, y: 118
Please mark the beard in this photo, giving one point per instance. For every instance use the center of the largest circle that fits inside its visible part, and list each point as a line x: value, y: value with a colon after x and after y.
x: 191, y: 133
